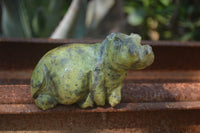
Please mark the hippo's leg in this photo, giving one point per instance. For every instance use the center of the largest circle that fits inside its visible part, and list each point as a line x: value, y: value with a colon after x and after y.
x: 98, y: 90
x: 88, y: 102
x: 115, y: 96
x: 45, y: 101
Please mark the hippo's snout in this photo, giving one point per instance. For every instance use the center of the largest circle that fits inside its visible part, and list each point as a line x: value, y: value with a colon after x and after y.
x: 145, y: 58
x: 147, y: 49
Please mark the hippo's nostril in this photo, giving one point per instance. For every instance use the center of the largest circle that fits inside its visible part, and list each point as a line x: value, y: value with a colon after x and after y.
x: 146, y: 52
x: 147, y: 49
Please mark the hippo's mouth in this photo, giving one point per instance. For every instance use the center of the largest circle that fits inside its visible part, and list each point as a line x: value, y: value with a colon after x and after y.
x: 144, y: 63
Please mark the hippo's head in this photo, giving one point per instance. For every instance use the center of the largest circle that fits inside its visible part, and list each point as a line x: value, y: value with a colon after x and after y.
x: 126, y: 52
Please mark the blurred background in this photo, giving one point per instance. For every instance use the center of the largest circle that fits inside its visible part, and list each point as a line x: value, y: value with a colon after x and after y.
x: 152, y: 19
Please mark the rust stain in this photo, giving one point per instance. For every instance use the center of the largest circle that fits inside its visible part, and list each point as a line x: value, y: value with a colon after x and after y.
x: 131, y: 93
x: 122, y: 107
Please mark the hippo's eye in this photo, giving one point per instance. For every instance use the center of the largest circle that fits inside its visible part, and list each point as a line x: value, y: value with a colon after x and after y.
x: 132, y: 51
x: 118, y: 43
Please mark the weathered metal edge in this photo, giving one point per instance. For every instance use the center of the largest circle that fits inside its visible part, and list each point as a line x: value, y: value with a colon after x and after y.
x: 122, y: 107
x: 68, y: 41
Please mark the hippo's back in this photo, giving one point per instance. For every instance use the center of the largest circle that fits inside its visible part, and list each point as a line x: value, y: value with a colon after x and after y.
x: 63, y: 64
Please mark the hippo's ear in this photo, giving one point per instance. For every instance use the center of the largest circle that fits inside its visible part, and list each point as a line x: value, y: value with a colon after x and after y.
x: 136, y: 37
x: 111, y: 36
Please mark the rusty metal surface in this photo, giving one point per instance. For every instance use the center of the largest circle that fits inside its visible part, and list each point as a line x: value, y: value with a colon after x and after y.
x: 173, y: 79
x: 131, y: 93
x: 165, y: 98
x: 119, y: 122
x: 135, y: 96
x: 122, y: 107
